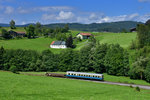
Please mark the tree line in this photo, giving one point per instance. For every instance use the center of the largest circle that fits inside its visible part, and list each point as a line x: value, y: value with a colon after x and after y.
x: 141, y: 58
x: 36, y: 30
x: 94, y: 57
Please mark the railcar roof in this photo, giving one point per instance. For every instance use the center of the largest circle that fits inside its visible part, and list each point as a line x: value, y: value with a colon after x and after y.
x: 83, y: 73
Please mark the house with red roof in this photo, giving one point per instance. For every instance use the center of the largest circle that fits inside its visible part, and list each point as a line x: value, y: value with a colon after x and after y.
x: 58, y: 44
x: 84, y: 35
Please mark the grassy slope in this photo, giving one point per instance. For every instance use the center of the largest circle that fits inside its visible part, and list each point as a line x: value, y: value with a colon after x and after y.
x: 124, y: 39
x: 41, y: 44
x: 18, y: 29
x: 22, y: 87
x: 107, y: 77
x: 38, y: 44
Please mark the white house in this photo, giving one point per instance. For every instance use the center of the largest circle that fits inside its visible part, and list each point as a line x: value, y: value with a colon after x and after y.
x: 58, y: 44
x: 84, y: 35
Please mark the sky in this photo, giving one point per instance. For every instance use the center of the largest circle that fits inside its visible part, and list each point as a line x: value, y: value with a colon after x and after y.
x: 73, y: 11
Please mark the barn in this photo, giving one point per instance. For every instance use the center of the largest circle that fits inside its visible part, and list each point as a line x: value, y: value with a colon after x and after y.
x: 84, y: 35
x: 17, y: 34
x: 58, y: 44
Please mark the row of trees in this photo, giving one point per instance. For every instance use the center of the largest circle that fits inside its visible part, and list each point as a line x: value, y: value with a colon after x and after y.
x: 39, y: 30
x: 95, y: 57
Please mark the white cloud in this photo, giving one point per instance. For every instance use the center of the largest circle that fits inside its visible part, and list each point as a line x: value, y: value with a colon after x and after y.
x: 52, y: 8
x: 58, y: 17
x: 87, y: 18
x: 43, y: 9
x: 22, y: 11
x: 132, y: 17
x: 65, y: 15
x: 48, y: 17
x: 144, y: 18
x: 9, y: 10
x: 23, y: 23
x: 93, y: 16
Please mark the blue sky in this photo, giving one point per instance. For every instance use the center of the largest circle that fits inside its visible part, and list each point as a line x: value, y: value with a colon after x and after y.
x: 69, y: 11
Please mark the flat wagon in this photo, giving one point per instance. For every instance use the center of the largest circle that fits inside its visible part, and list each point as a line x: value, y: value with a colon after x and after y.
x: 55, y: 75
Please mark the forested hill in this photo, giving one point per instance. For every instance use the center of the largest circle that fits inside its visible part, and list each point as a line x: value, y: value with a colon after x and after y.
x: 96, y: 27
x: 99, y: 27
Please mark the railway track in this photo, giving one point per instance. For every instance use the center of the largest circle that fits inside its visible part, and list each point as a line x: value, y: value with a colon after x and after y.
x: 113, y: 83
x: 122, y: 84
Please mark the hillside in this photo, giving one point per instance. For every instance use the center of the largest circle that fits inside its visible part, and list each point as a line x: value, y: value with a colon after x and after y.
x: 99, y: 27
x: 20, y: 87
x: 94, y: 27
x: 40, y: 44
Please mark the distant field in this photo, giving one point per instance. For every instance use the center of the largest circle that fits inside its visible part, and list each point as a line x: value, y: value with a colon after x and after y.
x: 23, y: 87
x: 124, y: 39
x: 18, y: 29
x: 40, y: 44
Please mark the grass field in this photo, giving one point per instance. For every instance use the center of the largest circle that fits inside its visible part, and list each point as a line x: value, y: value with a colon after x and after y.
x: 38, y: 44
x: 111, y: 78
x: 124, y: 39
x: 23, y: 87
x: 42, y: 43
x: 18, y: 29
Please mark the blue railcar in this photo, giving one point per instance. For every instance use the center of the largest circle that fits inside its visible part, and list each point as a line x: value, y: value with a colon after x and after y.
x: 85, y: 75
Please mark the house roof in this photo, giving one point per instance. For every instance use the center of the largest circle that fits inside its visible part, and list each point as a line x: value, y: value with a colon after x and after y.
x: 21, y: 32
x: 86, y: 34
x: 52, y: 42
x: 58, y: 43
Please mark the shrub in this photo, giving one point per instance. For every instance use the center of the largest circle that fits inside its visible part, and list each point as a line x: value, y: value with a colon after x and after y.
x: 131, y: 86
x: 13, y: 69
x: 137, y: 89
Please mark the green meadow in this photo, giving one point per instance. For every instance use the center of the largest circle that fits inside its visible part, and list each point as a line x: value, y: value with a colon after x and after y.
x: 18, y: 29
x: 40, y: 44
x: 111, y: 78
x: 124, y: 39
x: 23, y: 87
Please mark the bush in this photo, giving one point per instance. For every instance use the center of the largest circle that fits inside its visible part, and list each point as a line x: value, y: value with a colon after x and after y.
x: 131, y: 86
x: 133, y: 45
x: 137, y: 89
x: 13, y: 69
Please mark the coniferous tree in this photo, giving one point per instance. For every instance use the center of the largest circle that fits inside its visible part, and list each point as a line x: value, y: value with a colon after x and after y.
x: 30, y: 31
x: 69, y: 42
x: 12, y: 24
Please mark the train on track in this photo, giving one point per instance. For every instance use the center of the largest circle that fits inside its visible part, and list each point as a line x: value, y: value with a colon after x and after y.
x: 80, y: 75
